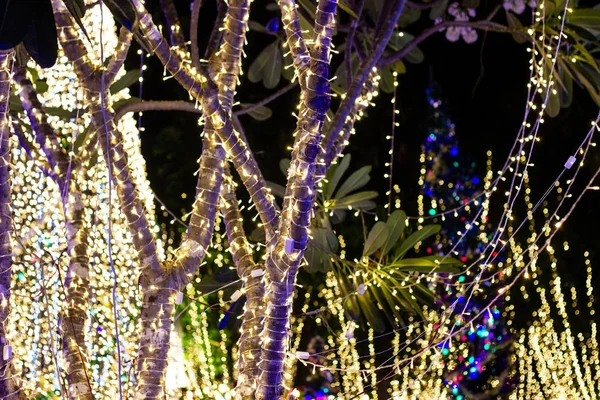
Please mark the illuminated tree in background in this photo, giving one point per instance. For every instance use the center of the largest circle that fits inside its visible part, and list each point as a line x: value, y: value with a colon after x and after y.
x: 478, y: 360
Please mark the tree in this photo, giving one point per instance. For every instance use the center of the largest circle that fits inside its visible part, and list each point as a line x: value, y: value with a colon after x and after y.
x: 374, y: 44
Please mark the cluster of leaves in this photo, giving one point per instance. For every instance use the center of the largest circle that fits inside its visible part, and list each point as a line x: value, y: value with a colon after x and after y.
x: 576, y: 59
x: 383, y: 283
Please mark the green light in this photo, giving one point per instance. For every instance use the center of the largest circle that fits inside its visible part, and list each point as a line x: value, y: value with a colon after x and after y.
x: 486, y: 346
x: 461, y: 278
x: 431, y: 211
x: 21, y: 276
x: 445, y: 351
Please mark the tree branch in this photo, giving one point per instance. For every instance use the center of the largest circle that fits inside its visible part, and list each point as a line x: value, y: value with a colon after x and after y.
x: 117, y: 60
x: 194, y: 18
x: 293, y: 32
x: 363, y: 72
x: 482, y: 25
x: 44, y: 133
x: 157, y: 105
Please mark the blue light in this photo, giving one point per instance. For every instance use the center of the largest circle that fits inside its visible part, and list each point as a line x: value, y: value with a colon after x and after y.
x: 454, y: 151
x: 475, y: 181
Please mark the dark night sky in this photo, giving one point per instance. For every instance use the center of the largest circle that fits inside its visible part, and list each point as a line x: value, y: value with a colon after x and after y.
x: 485, y: 87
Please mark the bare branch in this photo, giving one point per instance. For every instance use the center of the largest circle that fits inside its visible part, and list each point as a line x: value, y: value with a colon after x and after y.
x: 157, y: 105
x: 482, y: 25
x: 266, y: 100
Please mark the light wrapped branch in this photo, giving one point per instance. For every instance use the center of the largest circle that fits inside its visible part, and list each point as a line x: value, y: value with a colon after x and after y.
x: 285, y: 254
x: 44, y: 133
x: 8, y: 387
x: 203, y: 89
x: 295, y: 41
x: 365, y: 69
x: 253, y: 284
x: 116, y: 62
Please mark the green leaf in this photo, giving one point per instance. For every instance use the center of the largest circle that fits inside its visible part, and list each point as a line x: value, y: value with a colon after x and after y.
x: 387, y: 80
x: 306, y: 26
x: 376, y: 239
x: 514, y: 23
x: 444, y: 260
x: 124, y: 12
x: 565, y: 88
x: 276, y: 189
x: 415, y: 238
x: 354, y: 199
x: 422, y: 265
x: 260, y: 114
x: 414, y: 307
x: 371, y: 313
x: 409, y: 16
x: 41, y: 87
x: 396, y: 224
x: 553, y: 104
x: 284, y: 165
x: 351, y: 304
x: 59, y: 112
x: 310, y: 8
x: 77, y: 10
x: 80, y: 140
x: 585, y: 17
x: 287, y: 71
x: 355, y: 181
x: 398, y: 67
x: 255, y: 26
x: 438, y: 9
x: 125, y: 81
x: 344, y: 6
x: 415, y: 56
x: 255, y: 72
x: 272, y: 71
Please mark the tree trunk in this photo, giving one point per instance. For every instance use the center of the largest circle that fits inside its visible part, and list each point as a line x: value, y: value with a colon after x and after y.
x: 8, y: 387
x: 74, y: 318
x: 253, y: 284
x: 284, y: 257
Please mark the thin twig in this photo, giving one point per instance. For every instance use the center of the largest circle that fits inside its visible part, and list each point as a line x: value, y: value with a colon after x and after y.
x: 482, y: 25
x: 195, y: 52
x: 266, y: 100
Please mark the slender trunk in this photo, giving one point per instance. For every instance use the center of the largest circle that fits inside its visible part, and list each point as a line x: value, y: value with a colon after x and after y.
x: 254, y: 288
x: 8, y: 388
x: 77, y: 283
x: 283, y: 259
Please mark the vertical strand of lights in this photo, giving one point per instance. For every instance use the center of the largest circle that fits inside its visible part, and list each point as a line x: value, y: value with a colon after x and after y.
x: 391, y: 137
